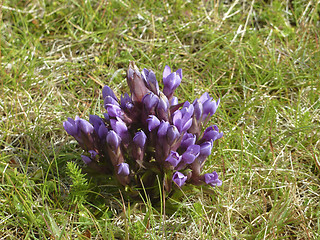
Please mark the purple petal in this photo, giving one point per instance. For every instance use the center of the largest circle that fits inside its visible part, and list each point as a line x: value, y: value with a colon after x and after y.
x: 114, y: 110
x: 173, y: 158
x: 102, y: 131
x: 206, y: 148
x: 172, y: 134
x: 163, y: 128
x: 123, y: 169
x: 166, y: 71
x: 212, y: 179
x: 174, y: 101
x: 113, y: 139
x: 212, y: 133
x: 119, y: 127
x: 153, y: 122
x: 86, y: 159
x: 93, y: 153
x: 126, y: 102
x: 187, y: 140
x: 85, y: 126
x: 151, y: 81
x: 179, y: 178
x: 150, y: 100
x: 107, y: 91
x: 179, y: 72
x: 70, y: 127
x: 191, y: 154
x: 140, y: 139
x: 204, y: 97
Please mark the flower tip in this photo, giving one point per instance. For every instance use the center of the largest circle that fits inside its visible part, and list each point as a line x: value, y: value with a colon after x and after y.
x: 179, y: 178
x: 123, y: 169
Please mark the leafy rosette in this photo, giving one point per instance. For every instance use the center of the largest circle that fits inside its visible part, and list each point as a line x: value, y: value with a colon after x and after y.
x: 148, y: 134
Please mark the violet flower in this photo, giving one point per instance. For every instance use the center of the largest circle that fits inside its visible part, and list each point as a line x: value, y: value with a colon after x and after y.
x: 153, y: 122
x: 171, y: 81
x: 123, y: 169
x: 149, y: 134
x: 192, y: 152
x: 212, y: 133
x: 140, y: 139
x: 212, y: 179
x: 173, y: 158
x: 179, y: 178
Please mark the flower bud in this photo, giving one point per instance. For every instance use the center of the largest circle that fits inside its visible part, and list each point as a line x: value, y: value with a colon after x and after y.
x: 140, y: 139
x: 84, y: 126
x: 172, y: 134
x: 123, y: 169
x: 153, y: 122
x: 150, y: 100
x: 114, y: 110
x: 206, y: 148
x: 209, y: 108
x: 71, y: 127
x: 136, y: 84
x: 107, y: 91
x: 171, y: 81
x: 126, y: 102
x: 163, y: 128
x: 113, y: 140
x: 151, y: 81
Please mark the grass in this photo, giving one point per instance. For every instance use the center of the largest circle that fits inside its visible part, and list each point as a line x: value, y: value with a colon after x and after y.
x: 260, y: 57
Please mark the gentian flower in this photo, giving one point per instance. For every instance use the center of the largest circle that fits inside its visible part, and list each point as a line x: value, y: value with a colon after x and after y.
x: 187, y: 140
x: 86, y: 159
x: 123, y: 169
x: 172, y: 134
x: 150, y: 101
x: 173, y: 158
x: 206, y: 148
x: 114, y: 110
x: 84, y: 126
x: 71, y: 127
x: 107, y: 91
x: 153, y: 122
x: 182, y: 118
x: 113, y: 139
x: 163, y: 128
x: 136, y: 84
x: 140, y: 139
x: 148, y: 133
x: 171, y: 81
x: 121, y: 129
x: 212, y: 179
x: 212, y: 133
x: 126, y: 102
x: 179, y: 178
x: 150, y: 80
x: 191, y: 154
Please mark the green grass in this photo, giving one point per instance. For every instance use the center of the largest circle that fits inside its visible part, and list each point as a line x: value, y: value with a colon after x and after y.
x: 260, y: 57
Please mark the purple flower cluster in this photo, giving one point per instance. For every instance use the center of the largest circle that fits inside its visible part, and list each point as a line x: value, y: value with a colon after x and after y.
x: 149, y: 131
